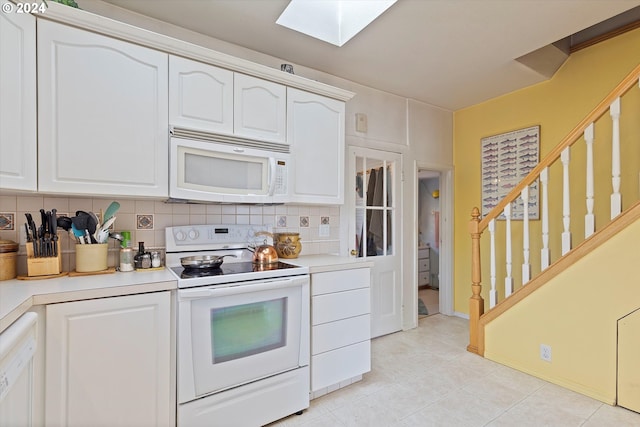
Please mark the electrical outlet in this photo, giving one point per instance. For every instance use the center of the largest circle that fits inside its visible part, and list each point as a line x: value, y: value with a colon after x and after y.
x: 545, y: 352
x: 324, y: 230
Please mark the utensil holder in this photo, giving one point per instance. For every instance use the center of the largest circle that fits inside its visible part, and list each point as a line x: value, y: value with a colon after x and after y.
x: 37, y: 266
x: 91, y: 257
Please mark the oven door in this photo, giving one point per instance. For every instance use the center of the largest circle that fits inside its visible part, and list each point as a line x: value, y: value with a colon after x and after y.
x: 202, y: 170
x: 233, y: 335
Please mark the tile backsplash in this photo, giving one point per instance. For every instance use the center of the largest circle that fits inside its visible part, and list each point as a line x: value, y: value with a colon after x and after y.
x: 147, y: 219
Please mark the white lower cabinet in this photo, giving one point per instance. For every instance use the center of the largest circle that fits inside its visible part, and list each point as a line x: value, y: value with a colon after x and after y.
x: 108, y: 362
x: 340, y: 328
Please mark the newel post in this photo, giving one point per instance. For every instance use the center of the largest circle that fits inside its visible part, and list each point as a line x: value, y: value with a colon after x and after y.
x: 476, y: 303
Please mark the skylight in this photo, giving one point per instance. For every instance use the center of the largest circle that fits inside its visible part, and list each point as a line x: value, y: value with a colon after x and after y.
x: 333, y: 21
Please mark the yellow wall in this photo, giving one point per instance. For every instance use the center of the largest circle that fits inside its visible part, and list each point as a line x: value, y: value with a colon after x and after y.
x: 557, y: 105
x: 576, y: 314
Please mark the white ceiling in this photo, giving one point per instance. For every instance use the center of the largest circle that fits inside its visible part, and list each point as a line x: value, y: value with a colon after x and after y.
x: 449, y: 53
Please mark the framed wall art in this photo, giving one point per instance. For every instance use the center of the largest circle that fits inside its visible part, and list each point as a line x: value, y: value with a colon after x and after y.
x: 506, y: 159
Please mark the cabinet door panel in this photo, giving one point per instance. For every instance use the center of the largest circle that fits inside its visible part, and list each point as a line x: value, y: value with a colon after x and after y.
x: 342, y: 280
x: 341, y: 333
x: 18, y: 162
x: 340, y: 305
x: 103, y: 112
x: 315, y: 131
x: 335, y: 366
x: 259, y: 109
x: 200, y: 96
x: 108, y: 362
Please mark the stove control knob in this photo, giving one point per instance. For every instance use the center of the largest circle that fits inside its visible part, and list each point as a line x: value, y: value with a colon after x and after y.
x: 193, y: 234
x: 180, y: 236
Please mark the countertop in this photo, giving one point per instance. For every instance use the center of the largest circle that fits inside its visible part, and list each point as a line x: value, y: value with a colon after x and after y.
x: 323, y: 263
x: 18, y: 296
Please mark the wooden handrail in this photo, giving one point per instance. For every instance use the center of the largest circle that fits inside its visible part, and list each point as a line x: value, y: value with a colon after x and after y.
x: 567, y: 141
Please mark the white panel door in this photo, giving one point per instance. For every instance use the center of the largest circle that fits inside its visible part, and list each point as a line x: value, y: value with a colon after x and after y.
x: 200, y: 96
x: 102, y: 114
x: 108, y: 362
x: 315, y: 131
x: 375, y: 230
x: 18, y: 161
x: 259, y: 109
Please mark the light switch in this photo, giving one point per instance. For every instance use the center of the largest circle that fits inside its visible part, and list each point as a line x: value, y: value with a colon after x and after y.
x: 361, y: 122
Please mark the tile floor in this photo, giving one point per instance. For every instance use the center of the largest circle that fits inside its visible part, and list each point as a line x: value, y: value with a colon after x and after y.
x: 425, y: 377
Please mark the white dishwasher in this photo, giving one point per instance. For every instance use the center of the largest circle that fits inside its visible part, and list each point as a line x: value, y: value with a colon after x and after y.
x: 17, y: 348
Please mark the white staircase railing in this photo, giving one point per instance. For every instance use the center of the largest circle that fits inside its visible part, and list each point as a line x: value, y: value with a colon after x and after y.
x: 596, y: 155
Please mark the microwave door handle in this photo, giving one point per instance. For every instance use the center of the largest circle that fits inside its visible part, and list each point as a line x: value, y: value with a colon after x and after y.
x: 272, y: 175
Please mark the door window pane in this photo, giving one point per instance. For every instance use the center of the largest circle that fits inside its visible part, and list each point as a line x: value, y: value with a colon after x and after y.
x: 373, y: 207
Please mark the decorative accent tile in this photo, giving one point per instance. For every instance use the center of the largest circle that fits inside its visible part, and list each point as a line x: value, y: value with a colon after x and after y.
x: 324, y: 220
x: 144, y: 222
x: 304, y: 221
x: 7, y: 221
x: 282, y: 221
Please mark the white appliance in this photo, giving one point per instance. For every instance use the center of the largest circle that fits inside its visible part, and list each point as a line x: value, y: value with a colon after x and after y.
x: 243, y: 330
x: 17, y: 349
x: 217, y: 168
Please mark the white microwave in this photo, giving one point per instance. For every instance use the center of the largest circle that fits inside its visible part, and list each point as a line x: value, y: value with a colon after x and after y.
x: 215, y: 168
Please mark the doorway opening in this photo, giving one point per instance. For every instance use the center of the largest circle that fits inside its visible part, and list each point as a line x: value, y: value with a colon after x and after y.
x: 428, y: 253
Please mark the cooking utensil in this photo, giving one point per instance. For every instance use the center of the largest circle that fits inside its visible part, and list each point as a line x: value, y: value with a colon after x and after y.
x: 64, y: 222
x: 79, y: 234
x: 116, y: 236
x: 203, y: 261
x: 102, y: 234
x: 111, y: 211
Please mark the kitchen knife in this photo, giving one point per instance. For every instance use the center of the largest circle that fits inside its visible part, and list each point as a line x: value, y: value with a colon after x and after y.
x: 34, y: 233
x: 54, y: 231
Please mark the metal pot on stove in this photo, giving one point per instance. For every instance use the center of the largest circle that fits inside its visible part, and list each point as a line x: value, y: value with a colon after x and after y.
x: 203, y: 262
x: 265, y: 253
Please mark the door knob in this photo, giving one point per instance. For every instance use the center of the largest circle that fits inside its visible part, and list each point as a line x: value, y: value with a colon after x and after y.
x: 354, y: 252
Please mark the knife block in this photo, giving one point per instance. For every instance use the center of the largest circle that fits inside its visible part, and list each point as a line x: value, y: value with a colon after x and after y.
x: 43, y: 266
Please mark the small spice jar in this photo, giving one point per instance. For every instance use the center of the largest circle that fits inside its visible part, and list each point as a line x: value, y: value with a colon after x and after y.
x: 155, y: 259
x: 126, y: 259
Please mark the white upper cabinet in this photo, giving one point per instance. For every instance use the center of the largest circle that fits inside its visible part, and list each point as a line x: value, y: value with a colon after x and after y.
x: 315, y: 130
x: 102, y: 114
x: 259, y: 109
x: 18, y: 162
x: 200, y: 96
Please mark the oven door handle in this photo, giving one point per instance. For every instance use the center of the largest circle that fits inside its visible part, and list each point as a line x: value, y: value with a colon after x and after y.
x: 205, y: 292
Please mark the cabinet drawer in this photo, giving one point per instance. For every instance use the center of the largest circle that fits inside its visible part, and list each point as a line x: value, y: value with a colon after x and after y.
x: 338, y: 365
x: 340, y: 305
x: 423, y: 278
x: 333, y: 335
x: 336, y: 281
x: 423, y: 253
x: 423, y: 264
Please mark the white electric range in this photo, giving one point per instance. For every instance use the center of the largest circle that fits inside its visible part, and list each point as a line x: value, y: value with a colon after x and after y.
x: 243, y: 330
